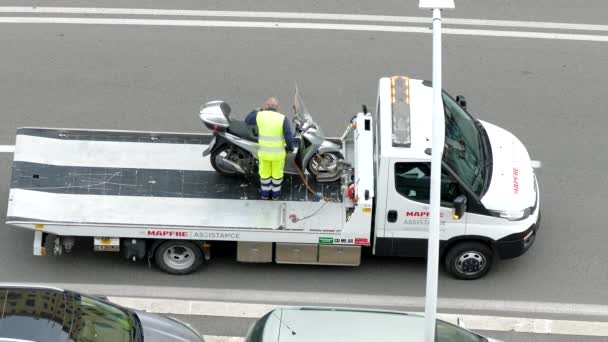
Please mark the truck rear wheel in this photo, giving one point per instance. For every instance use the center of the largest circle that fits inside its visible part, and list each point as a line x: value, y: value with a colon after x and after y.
x: 178, y: 257
x: 468, y: 260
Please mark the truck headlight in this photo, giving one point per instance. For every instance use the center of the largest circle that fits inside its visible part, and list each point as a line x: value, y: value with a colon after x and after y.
x: 514, y: 215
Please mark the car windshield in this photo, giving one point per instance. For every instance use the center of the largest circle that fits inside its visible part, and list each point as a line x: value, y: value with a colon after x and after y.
x: 446, y: 332
x: 464, y: 145
x: 46, y: 315
x: 97, y: 321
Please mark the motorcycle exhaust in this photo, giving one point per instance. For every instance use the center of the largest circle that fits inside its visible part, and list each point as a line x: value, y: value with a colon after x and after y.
x: 230, y: 165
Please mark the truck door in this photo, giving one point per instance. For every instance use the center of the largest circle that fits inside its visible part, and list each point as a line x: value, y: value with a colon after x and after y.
x: 407, y: 209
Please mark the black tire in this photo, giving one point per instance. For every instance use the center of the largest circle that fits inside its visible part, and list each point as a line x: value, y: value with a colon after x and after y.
x: 178, y: 257
x: 469, y: 260
x: 214, y: 155
x: 337, y: 156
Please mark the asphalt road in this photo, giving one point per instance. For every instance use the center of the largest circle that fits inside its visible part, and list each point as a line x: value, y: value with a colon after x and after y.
x: 550, y: 93
x: 565, y: 11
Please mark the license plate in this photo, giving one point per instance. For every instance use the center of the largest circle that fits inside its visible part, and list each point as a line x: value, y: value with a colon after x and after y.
x: 210, y: 147
x: 106, y: 241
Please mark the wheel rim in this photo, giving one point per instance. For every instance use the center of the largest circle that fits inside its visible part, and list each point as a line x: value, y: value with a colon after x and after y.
x: 324, y: 163
x: 179, y: 257
x: 471, y: 263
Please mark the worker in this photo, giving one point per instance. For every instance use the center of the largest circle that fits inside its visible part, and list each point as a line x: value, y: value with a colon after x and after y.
x: 274, y: 138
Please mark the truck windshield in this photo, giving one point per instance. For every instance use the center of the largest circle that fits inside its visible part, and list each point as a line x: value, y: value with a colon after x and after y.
x: 464, y: 150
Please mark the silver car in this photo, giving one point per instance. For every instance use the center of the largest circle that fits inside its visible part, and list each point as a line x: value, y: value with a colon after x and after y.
x: 319, y: 324
x: 33, y: 313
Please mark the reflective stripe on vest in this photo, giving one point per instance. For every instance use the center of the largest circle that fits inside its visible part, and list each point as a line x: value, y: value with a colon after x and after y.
x: 265, y: 137
x: 270, y: 138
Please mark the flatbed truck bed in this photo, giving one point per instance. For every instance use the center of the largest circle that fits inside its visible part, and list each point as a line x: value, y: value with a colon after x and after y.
x: 114, y: 185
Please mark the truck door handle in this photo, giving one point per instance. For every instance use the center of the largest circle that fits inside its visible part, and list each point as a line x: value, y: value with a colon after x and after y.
x: 392, y: 216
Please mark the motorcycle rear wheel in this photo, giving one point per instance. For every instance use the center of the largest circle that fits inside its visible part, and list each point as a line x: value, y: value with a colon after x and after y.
x: 216, y: 156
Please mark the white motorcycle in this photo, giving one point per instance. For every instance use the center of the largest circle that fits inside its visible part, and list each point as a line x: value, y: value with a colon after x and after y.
x: 234, y: 146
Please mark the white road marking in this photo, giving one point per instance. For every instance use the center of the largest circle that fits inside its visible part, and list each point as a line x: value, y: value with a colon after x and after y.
x: 304, y: 16
x: 7, y: 148
x: 297, y: 25
x: 473, y: 322
x: 212, y: 338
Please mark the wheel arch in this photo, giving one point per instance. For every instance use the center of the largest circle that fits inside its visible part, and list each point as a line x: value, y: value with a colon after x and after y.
x: 490, y: 243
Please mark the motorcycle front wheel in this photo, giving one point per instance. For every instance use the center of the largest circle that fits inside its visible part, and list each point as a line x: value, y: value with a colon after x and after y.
x: 325, y: 164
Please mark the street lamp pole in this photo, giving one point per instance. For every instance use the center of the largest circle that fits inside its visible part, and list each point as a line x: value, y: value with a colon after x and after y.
x: 438, y: 136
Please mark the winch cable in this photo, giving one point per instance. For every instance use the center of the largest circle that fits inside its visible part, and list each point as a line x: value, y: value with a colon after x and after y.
x: 327, y: 199
x: 311, y: 190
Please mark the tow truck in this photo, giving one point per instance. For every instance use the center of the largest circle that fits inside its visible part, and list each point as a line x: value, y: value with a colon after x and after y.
x: 150, y: 195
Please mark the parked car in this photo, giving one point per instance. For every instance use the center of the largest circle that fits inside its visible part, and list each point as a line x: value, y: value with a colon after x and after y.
x: 320, y: 324
x: 41, y: 314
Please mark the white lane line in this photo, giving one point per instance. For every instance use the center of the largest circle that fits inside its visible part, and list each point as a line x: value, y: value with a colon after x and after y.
x: 529, y: 325
x: 7, y: 148
x: 194, y: 307
x: 474, y: 322
x: 292, y: 25
x: 213, y: 338
x: 306, y: 16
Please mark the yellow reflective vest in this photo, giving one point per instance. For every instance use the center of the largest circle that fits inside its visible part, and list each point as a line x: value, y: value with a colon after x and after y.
x: 270, y: 135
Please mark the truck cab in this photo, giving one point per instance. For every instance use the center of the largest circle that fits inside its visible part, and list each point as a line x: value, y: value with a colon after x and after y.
x: 489, y: 193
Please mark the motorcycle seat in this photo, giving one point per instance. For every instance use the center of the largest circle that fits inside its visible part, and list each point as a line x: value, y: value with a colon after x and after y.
x: 243, y: 130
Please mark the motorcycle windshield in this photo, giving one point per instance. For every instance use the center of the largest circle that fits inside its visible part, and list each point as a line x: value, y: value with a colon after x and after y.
x: 302, y: 112
x: 300, y: 107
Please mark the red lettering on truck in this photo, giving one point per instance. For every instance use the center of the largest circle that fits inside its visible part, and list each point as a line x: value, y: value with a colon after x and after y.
x: 420, y: 214
x: 362, y: 241
x: 417, y: 213
x: 166, y: 233
x: 515, y: 180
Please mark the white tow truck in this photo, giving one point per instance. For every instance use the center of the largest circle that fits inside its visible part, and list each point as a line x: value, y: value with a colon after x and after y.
x: 151, y: 195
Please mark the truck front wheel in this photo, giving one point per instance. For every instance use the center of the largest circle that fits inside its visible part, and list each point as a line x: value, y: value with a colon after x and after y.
x: 178, y: 257
x: 468, y: 260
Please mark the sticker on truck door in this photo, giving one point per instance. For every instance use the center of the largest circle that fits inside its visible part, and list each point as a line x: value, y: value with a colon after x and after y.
x: 343, y: 241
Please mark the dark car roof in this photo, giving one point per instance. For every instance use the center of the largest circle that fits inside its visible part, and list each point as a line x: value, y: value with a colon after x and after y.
x: 38, y: 314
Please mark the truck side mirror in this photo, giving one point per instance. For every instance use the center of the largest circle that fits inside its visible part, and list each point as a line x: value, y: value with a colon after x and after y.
x: 462, y: 102
x: 460, y: 206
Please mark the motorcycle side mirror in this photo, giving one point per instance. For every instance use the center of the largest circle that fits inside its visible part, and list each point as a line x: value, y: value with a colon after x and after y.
x: 460, y: 207
x: 462, y: 101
